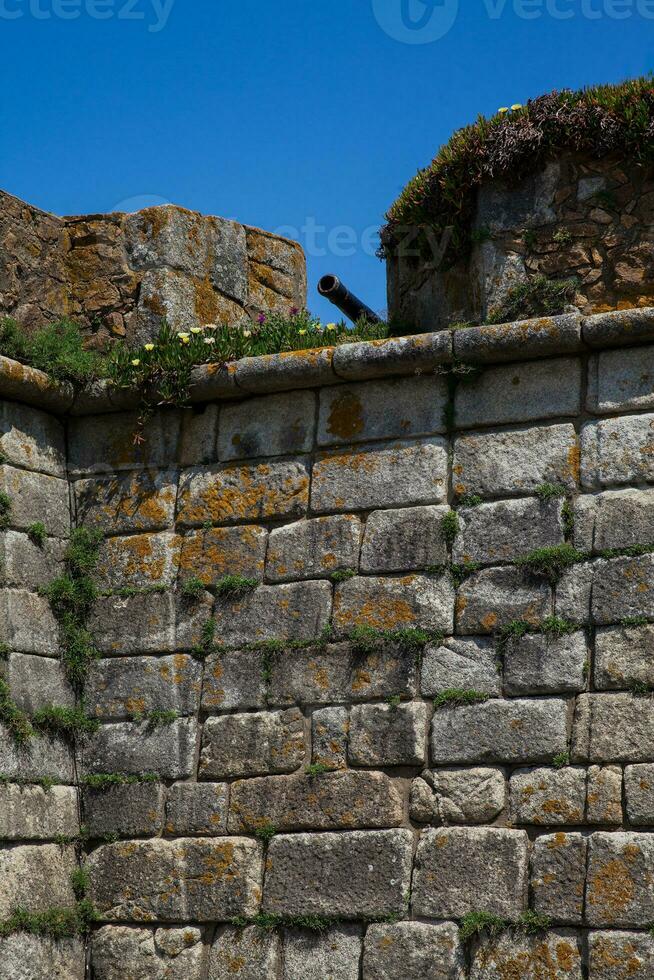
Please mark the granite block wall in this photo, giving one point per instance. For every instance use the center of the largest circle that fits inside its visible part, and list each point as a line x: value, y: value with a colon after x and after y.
x: 375, y: 665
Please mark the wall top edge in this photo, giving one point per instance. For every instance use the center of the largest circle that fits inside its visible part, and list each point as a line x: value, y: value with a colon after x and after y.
x: 364, y: 361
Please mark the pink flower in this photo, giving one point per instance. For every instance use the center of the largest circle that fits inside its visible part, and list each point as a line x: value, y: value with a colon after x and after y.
x: 294, y: 311
x: 261, y: 318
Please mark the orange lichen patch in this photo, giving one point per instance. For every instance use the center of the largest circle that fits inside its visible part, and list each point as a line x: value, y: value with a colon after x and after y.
x: 489, y: 621
x: 560, y: 808
x: 460, y: 604
x: 346, y: 416
x: 135, y: 706
x: 383, y: 612
x: 240, y: 493
x: 210, y: 555
x: 611, y: 888
x: 573, y: 463
x: 540, y: 962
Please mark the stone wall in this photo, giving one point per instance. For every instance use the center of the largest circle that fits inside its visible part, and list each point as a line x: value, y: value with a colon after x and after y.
x: 120, y: 274
x: 588, y: 219
x: 468, y: 753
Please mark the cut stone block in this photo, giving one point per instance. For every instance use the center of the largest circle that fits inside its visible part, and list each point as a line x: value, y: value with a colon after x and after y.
x: 614, y: 519
x: 620, y: 868
x: 39, y: 758
x: 37, y: 497
x: 160, y: 954
x: 48, y: 959
x: 211, y: 555
x: 196, y: 808
x: 622, y: 588
x: 36, y: 682
x: 36, y: 877
x: 413, y: 951
x: 556, y: 952
x: 27, y: 624
x: 463, y: 664
x: 95, y: 447
x: 558, y: 875
x: 233, y: 680
x: 31, y: 439
x: 249, y: 954
x: 498, y: 533
x: 139, y: 561
x: 167, y: 750
x: 639, y: 793
x: 494, y: 597
x: 621, y: 380
x: 297, y: 611
x: 623, y: 657
x: 131, y: 810
x: 618, y: 451
x: 275, y: 425
x: 548, y: 797
x: 459, y: 796
x: 541, y: 664
x: 609, y: 952
x: 148, y: 623
x: 313, y: 549
x: 573, y: 592
x: 613, y: 728
x: 315, y: 675
x: 395, y: 603
x: 335, y: 954
x: 329, y: 732
x: 124, y: 687
x: 26, y: 565
x: 403, y: 540
x: 126, y: 503
x: 604, y: 795
x: 252, y: 744
x: 34, y: 813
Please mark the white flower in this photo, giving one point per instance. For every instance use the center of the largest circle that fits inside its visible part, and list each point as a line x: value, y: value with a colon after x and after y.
x: 209, y: 340
x: 247, y: 333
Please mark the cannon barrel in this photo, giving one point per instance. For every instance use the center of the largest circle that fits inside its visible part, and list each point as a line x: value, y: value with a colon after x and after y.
x: 333, y: 289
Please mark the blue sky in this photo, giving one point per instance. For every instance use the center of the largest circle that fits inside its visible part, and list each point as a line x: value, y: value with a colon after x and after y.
x: 304, y: 115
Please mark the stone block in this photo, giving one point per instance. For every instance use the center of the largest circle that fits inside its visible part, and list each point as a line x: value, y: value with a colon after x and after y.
x: 36, y: 877
x: 232, y: 494
x: 313, y: 549
x: 39, y: 758
x: 462, y: 869
x: 459, y: 796
x: 329, y: 731
x: 558, y: 875
x: 539, y: 337
x: 27, y: 624
x: 138, y: 561
x: 557, y: 953
x: 211, y: 555
x: 520, y: 393
x: 614, y: 519
x: 413, y: 951
x: 496, y: 534
x: 297, y: 611
x: 125, y: 687
x: 617, y: 451
x: 316, y: 675
x: 395, y: 355
x: 274, y: 425
x: 610, y: 953
x: 26, y: 565
x: 394, y: 603
x: 509, y: 463
x: 548, y: 797
x: 249, y: 954
x: 37, y: 497
x: 95, y: 447
x: 394, y: 409
x: 621, y: 380
x: 143, y: 500
x: 613, y: 728
x: 167, y: 750
x: 623, y: 587
x: 233, y: 680
x: 403, y: 540
x: 196, y: 808
x: 542, y: 664
x: 494, y: 597
x: 354, y: 875
x: 639, y: 794
x: 380, y: 475
x: 329, y: 801
x: 335, y: 954
x: 159, y: 954
x: 147, y: 623
x: 604, y: 795
x: 197, y: 443
x: 131, y: 810
x: 463, y: 664
x: 285, y: 371
x: 573, y: 592
x: 387, y: 735
x: 252, y: 744
x: 31, y: 439
x: 34, y: 813
x: 383, y: 669
x: 185, y: 880
x: 623, y: 657
x: 512, y: 732
x: 48, y: 959
x: 620, y: 867
x: 36, y: 682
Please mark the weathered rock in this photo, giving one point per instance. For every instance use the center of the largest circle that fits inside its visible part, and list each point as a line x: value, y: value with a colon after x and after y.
x: 329, y: 733
x: 34, y: 813
x: 623, y: 657
x: 36, y: 682
x: 639, y: 794
x: 495, y: 534
x: 46, y: 959
x: 617, y: 451
x: 31, y: 439
x: 459, y: 796
x: 36, y: 877
x: 27, y: 565
x: 604, y: 795
x: 614, y: 519
x: 95, y: 447
x: 167, y: 750
x: 623, y: 587
x: 143, y: 500
x: 542, y: 664
x: 249, y: 954
x: 463, y: 664
x: 130, y: 810
x: 413, y: 951
x: 548, y: 797
x: 620, y: 380
x: 125, y: 687
x: 231, y: 494
x: 274, y: 425
x: 351, y: 875
x: 459, y: 870
x: 233, y: 680
x: 313, y: 549
x: 613, y: 728
x: 196, y: 808
x: 27, y: 624
x: 123, y: 953
x: 297, y: 611
x: 494, y: 597
x: 388, y: 735
x: 139, y: 561
x: 382, y: 409
x: 573, y: 592
x: 330, y: 801
x: 36, y: 497
x: 405, y: 539
x: 520, y: 393
x: 148, y: 623
x: 611, y: 952
x: 315, y: 675
x: 555, y: 955
x: 252, y: 744
x: 336, y: 954
x: 514, y: 732
x: 394, y: 603
x: 383, y: 669
x: 380, y: 475
x: 184, y: 880
x: 620, y: 867
x: 558, y: 874
x: 511, y: 462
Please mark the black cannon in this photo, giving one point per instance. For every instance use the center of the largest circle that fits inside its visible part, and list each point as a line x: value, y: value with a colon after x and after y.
x: 333, y: 289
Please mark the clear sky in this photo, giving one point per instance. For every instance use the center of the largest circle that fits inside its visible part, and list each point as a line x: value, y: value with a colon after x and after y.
x: 305, y: 116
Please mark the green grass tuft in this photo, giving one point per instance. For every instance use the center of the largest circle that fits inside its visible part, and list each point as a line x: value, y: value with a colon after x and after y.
x: 235, y: 586
x: 456, y: 697
x: 475, y: 924
x: 561, y: 761
x: 551, y: 563
x: 550, y: 491
x: 265, y: 833
x: 316, y: 769
x: 343, y: 575
x: 450, y: 527
x: 106, y: 780
x: 192, y: 588
x: 37, y: 533
x: 10, y: 714
x: 66, y: 722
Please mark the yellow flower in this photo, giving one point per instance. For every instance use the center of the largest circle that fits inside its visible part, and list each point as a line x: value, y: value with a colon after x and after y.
x: 135, y: 362
x: 149, y: 346
x: 516, y: 107
x: 185, y: 340
x: 503, y: 110
x: 196, y: 329
x: 182, y: 336
x: 331, y: 326
x: 301, y: 332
